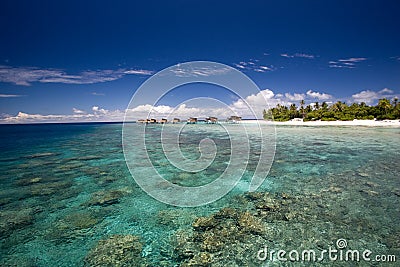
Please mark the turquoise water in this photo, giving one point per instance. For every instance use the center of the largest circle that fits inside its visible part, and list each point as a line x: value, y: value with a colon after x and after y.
x: 66, y: 191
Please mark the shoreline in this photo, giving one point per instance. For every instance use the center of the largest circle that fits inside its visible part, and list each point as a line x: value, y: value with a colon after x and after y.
x: 368, y: 123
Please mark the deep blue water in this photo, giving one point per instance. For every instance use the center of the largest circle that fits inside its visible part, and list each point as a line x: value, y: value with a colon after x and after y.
x: 64, y: 187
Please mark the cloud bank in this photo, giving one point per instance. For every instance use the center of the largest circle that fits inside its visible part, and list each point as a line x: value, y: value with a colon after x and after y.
x: 369, y: 96
x: 27, y: 75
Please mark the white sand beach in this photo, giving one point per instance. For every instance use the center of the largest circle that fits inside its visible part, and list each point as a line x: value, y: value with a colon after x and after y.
x: 299, y: 122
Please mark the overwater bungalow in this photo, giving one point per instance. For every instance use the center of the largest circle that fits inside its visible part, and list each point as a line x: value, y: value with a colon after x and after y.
x: 212, y: 120
x: 162, y: 121
x: 192, y: 120
x: 234, y: 119
x: 176, y: 120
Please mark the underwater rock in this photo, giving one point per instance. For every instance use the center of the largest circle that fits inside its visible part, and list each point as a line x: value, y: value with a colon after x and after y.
x: 202, y: 259
x: 369, y: 192
x: 49, y: 188
x: 204, y: 223
x: 371, y: 184
x: 256, y: 195
x: 41, y: 155
x: 116, y: 251
x: 174, y: 217
x: 285, y: 195
x: 335, y: 189
x: 105, y: 198
x: 80, y: 220
x: 266, y: 206
x: 393, y: 240
x: 184, y: 176
x: 73, y: 225
x: 11, y: 220
x: 28, y: 181
x: 362, y: 174
x: 226, y: 213
x: 106, y: 179
x: 290, y: 216
x: 70, y: 166
x: 212, y: 242
x: 184, y: 247
x: 250, y: 223
x: 85, y: 158
x: 396, y: 192
x: 215, y: 235
x: 5, y: 201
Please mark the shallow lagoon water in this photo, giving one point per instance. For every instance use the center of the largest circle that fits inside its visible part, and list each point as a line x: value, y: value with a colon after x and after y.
x: 65, y: 187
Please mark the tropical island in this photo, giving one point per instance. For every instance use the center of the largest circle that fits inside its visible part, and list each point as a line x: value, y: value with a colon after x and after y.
x: 339, y: 111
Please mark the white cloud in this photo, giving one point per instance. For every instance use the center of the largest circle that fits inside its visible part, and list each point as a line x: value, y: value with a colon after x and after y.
x: 386, y: 90
x: 98, y: 94
x: 348, y: 63
x: 254, y: 65
x: 98, y: 115
x: 265, y: 68
x: 139, y: 72
x: 240, y: 66
x: 196, y: 71
x: 27, y: 75
x: 318, y: 95
x: 7, y: 95
x: 369, y: 96
x: 366, y: 96
x: 353, y: 59
x: 265, y: 99
x: 294, y: 97
x: 78, y: 111
x: 98, y: 110
x: 22, y: 117
x: 300, y: 55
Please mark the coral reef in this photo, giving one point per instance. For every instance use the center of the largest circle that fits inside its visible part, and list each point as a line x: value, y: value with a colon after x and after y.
x: 107, y: 197
x: 46, y: 188
x: 11, y: 220
x: 74, y: 225
x: 213, y: 235
x: 116, y: 251
x: 28, y: 181
x: 175, y: 217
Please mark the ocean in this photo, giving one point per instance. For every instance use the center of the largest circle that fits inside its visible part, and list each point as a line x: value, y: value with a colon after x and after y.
x: 67, y: 198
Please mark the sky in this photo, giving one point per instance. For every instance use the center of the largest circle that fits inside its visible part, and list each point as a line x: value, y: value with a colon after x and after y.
x: 84, y: 60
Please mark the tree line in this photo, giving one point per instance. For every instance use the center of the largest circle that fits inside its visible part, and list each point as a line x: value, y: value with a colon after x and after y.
x: 384, y: 110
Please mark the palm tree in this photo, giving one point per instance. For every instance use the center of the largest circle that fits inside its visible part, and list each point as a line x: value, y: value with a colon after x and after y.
x: 384, y: 105
x: 292, y: 111
x: 338, y: 106
x: 395, y: 101
x: 302, y: 107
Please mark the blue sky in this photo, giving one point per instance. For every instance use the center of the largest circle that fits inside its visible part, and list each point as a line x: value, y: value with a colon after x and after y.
x: 87, y: 58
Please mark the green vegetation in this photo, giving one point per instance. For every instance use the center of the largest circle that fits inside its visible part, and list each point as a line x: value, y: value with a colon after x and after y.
x: 384, y: 110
